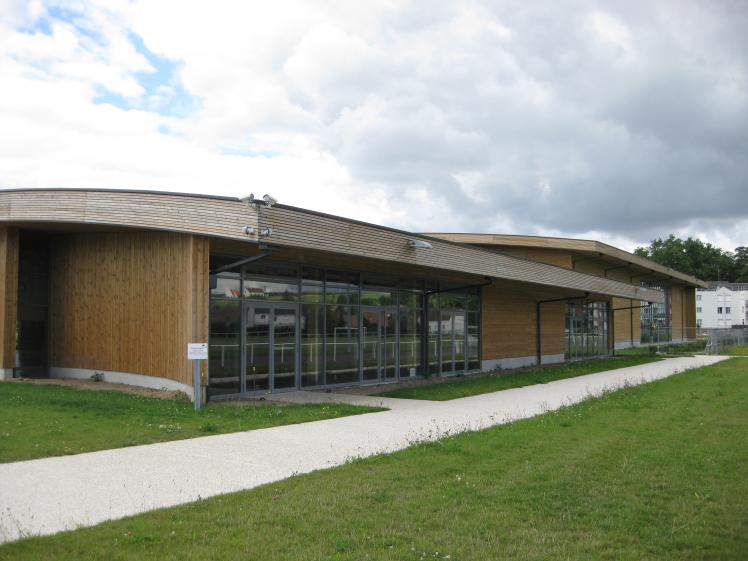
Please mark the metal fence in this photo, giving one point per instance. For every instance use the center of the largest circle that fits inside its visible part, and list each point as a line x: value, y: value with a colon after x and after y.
x: 719, y: 340
x: 656, y: 335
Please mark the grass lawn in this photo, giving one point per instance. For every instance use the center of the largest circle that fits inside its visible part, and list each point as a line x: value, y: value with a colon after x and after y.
x: 615, y: 478
x: 738, y: 350
x: 37, y: 421
x: 474, y: 385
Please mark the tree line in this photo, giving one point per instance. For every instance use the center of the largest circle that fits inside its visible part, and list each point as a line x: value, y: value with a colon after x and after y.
x: 702, y: 260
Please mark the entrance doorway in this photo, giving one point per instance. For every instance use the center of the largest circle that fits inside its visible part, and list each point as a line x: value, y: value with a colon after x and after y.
x: 270, y: 343
x: 379, y: 344
x: 453, y: 341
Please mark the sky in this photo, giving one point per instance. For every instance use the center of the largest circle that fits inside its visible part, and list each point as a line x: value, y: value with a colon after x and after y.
x: 618, y: 121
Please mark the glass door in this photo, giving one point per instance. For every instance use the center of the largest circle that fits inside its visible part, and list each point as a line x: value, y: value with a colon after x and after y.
x: 453, y: 341
x: 371, y: 343
x: 458, y: 331
x: 284, y: 348
x: 269, y: 347
x: 389, y: 345
x: 256, y: 347
x: 379, y: 344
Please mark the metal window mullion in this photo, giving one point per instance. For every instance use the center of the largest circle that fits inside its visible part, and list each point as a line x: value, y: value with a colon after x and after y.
x: 324, y: 327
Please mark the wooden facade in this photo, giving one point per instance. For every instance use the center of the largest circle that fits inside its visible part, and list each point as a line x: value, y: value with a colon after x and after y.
x: 509, y: 324
x: 128, y: 302
x: 8, y: 295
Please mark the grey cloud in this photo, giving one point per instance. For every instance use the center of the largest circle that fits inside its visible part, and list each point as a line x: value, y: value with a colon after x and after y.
x: 631, y: 147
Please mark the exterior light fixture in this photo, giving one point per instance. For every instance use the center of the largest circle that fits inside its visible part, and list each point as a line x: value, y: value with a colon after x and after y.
x: 248, y: 230
x: 266, y: 200
x: 419, y: 244
x: 266, y: 232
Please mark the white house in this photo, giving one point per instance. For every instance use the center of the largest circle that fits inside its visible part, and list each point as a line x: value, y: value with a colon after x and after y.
x: 722, y: 305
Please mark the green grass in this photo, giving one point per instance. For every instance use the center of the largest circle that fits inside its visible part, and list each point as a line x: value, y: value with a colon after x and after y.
x: 474, y: 385
x: 615, y: 478
x: 37, y: 421
x: 738, y: 350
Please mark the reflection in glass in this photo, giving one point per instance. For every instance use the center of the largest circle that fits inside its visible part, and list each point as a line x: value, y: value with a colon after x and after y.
x: 410, y: 343
x: 270, y: 289
x: 341, y: 288
x: 270, y: 282
x: 371, y: 343
x: 257, y: 345
x: 312, y: 285
x: 458, y: 322
x: 284, y: 348
x: 447, y: 342
x: 388, y: 337
x: 228, y: 285
x: 473, y: 301
x: 312, y: 336
x: 452, y: 301
x: 224, y: 356
x: 433, y: 341
x: 341, y: 354
x: 473, y: 340
x: 411, y: 299
x: 378, y: 296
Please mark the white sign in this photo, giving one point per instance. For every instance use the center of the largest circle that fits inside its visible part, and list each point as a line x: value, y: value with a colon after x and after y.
x: 197, y: 351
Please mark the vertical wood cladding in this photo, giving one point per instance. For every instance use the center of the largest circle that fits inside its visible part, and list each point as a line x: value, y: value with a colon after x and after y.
x: 676, y: 312
x: 128, y: 302
x: 8, y: 295
x: 509, y: 322
x: 689, y: 312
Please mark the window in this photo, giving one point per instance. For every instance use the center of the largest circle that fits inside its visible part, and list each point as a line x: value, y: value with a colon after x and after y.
x: 698, y: 309
x: 698, y: 297
x: 727, y: 310
x: 719, y: 310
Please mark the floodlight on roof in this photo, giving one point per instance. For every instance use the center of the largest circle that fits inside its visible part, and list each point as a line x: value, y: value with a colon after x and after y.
x: 420, y: 244
x: 266, y: 200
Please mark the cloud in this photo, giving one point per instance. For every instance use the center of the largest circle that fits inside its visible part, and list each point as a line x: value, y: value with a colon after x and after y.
x: 606, y: 120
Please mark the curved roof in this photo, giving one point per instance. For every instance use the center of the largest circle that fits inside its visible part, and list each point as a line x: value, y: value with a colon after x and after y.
x: 226, y: 217
x: 575, y: 246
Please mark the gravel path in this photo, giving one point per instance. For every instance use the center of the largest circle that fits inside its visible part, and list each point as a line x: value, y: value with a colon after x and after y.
x: 53, y: 494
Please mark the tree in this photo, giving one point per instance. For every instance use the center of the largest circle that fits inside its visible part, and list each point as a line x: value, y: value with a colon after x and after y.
x: 740, y: 262
x: 694, y: 257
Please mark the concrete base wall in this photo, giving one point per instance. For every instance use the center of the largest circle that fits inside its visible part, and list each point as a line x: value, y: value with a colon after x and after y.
x: 6, y: 373
x: 519, y: 362
x: 126, y: 378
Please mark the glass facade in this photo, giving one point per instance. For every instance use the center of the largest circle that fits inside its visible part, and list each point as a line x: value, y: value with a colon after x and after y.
x: 276, y: 327
x: 656, y: 320
x: 587, y: 330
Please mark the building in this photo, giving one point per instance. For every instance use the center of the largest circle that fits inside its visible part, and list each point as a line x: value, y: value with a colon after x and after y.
x: 722, y: 305
x: 119, y: 282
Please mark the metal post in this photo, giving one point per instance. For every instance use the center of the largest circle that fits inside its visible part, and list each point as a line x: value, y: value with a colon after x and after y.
x: 196, y: 383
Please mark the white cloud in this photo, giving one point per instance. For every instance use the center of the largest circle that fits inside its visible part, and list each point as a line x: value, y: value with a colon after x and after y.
x: 598, y: 120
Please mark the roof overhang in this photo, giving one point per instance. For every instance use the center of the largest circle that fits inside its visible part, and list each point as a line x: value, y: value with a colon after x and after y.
x: 232, y: 218
x: 645, y: 269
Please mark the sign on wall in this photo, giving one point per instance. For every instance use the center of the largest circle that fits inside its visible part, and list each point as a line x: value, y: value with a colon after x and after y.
x: 197, y: 351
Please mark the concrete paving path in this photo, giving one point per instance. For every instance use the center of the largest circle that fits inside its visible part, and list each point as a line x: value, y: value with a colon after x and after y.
x: 53, y: 494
